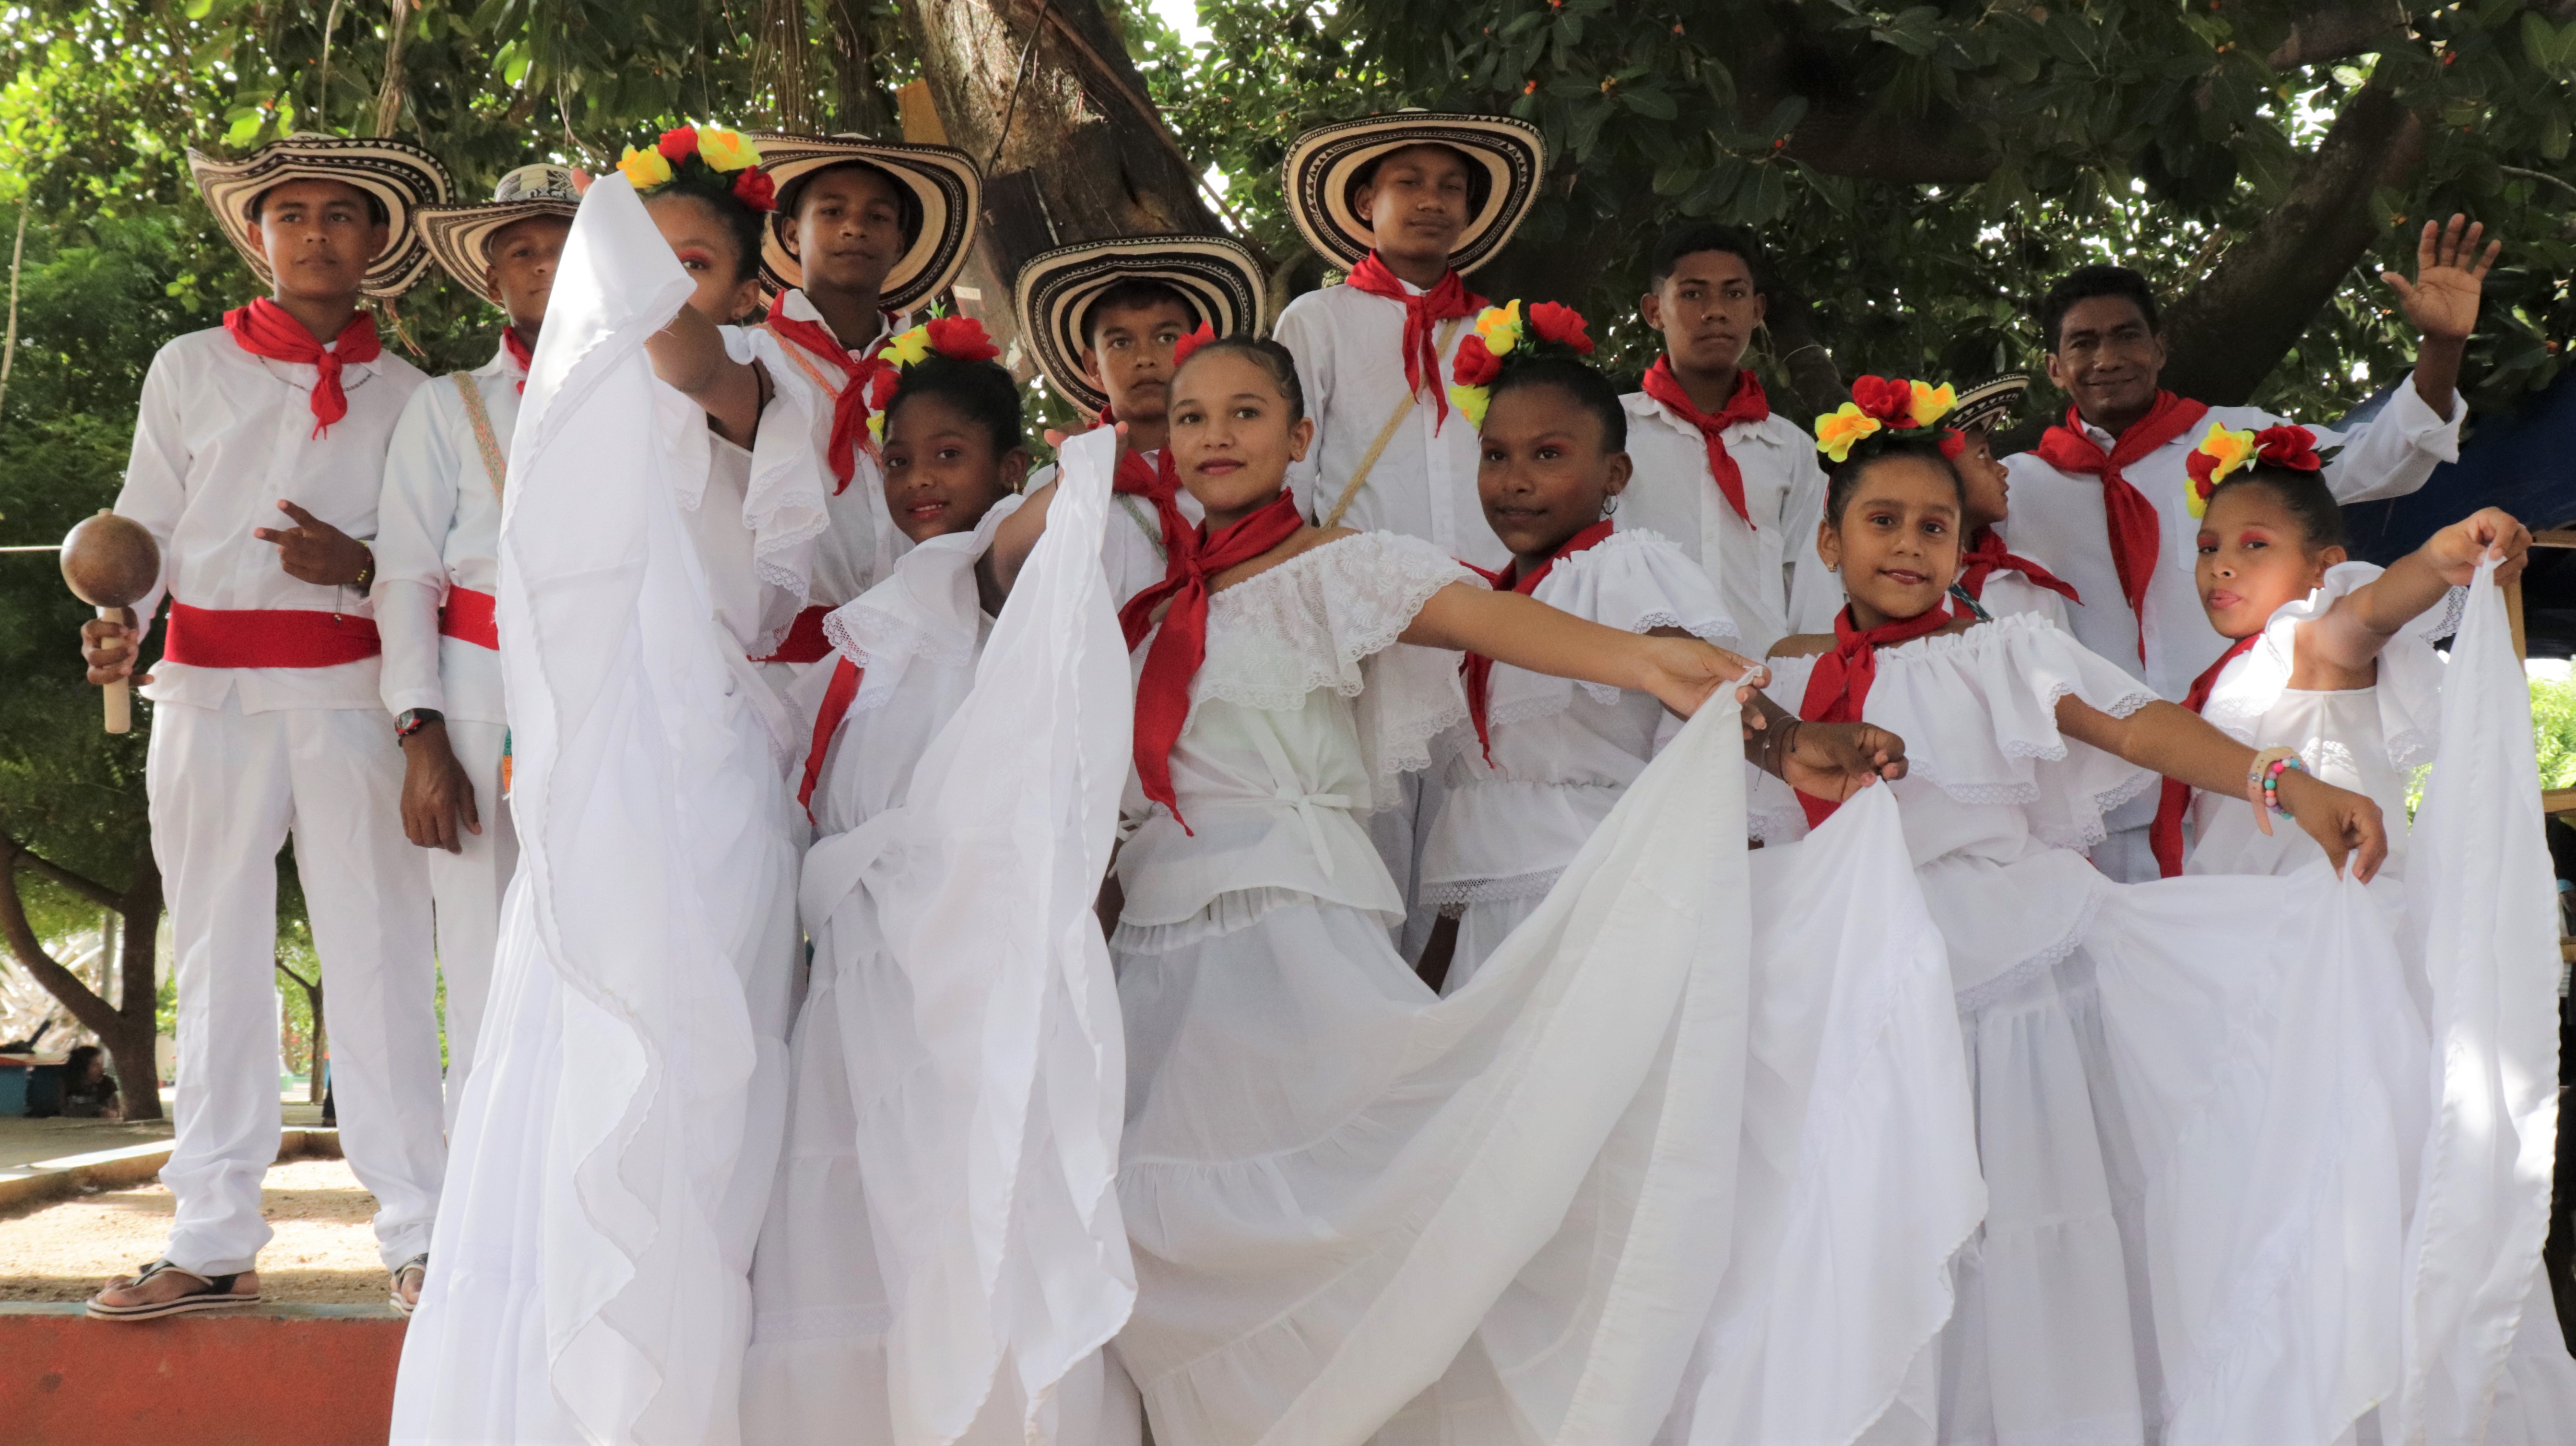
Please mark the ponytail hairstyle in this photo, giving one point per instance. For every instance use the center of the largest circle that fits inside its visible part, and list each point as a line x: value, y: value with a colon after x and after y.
x: 1887, y: 417
x: 2285, y: 461
x: 719, y: 167
x: 1274, y: 359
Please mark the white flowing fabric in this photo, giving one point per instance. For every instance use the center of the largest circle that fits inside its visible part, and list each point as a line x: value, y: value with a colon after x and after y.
x: 1482, y: 1218
x: 1855, y: 1098
x: 616, y: 1145
x: 963, y: 986
x: 2483, y: 897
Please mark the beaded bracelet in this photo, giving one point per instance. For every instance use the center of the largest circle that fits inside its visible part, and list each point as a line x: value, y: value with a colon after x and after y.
x: 2272, y: 780
x: 2263, y: 783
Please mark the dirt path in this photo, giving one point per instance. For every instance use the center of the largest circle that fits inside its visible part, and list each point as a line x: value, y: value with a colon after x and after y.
x: 324, y: 1251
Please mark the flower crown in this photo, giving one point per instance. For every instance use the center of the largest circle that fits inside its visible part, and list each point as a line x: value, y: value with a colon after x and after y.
x: 1505, y: 338
x: 1888, y: 409
x: 703, y: 159
x: 958, y: 338
x: 2292, y: 449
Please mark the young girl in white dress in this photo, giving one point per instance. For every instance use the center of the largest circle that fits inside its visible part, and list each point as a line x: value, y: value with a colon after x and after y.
x: 1356, y: 1207
x: 1542, y: 760
x: 2019, y: 742
x: 612, y: 1161
x: 1994, y: 581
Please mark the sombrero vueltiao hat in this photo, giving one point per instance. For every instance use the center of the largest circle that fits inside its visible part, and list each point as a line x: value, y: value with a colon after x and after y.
x: 460, y: 237
x: 1988, y: 402
x: 1323, y: 168
x: 1056, y: 289
x: 941, y: 183
x: 405, y: 178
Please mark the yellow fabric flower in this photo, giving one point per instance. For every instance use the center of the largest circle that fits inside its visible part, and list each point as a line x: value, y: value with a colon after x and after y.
x: 727, y: 150
x: 2218, y: 454
x: 908, y: 348
x: 1500, y: 326
x: 1472, y: 401
x: 1931, y: 403
x: 1838, y: 430
x: 646, y: 169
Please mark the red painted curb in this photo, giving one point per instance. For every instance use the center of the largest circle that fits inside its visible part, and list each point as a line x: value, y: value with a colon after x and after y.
x: 240, y: 1379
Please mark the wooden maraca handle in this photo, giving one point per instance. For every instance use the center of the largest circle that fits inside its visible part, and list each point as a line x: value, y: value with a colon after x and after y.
x: 118, y: 696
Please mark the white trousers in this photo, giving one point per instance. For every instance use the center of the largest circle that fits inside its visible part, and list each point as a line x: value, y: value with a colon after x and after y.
x: 466, y: 888
x: 227, y: 788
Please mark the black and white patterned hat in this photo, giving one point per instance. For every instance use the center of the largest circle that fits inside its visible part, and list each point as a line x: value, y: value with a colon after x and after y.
x: 943, y: 191
x: 460, y: 237
x: 1506, y: 157
x: 404, y: 177
x: 1056, y: 289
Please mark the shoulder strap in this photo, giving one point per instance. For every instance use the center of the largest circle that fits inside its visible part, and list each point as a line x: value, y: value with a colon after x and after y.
x: 1386, y: 434
x: 1148, y: 524
x: 495, y: 461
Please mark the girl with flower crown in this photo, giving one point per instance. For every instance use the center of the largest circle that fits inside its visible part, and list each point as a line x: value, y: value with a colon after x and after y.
x: 617, y: 1143
x: 1355, y: 1205
x: 2022, y: 741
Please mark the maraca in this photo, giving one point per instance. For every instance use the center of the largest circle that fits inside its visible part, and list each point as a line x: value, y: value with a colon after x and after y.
x: 111, y: 562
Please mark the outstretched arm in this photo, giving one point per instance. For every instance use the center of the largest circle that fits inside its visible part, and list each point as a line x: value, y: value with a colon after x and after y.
x: 2442, y: 302
x: 690, y: 355
x: 2183, y: 746
x: 2342, y: 644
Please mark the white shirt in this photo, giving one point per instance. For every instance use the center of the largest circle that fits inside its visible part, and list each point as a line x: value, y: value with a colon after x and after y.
x: 439, y: 528
x: 1350, y: 360
x: 1131, y: 545
x: 221, y: 437
x: 2058, y: 521
x: 862, y: 543
x: 1766, y: 572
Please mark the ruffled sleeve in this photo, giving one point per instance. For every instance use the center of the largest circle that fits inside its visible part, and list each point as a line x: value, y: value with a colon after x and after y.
x: 1633, y: 581
x: 783, y: 503
x: 1329, y: 618
x: 928, y: 608
x: 2410, y: 672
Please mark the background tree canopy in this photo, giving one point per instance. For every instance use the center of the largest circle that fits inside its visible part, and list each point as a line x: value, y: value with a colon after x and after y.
x: 1919, y: 172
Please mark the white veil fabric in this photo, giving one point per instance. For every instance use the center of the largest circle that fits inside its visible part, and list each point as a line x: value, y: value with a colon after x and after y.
x: 613, y: 1154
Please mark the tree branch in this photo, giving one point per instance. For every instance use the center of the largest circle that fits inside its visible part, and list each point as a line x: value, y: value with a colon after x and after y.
x: 2339, y: 30
x: 88, y: 888
x: 93, y: 1012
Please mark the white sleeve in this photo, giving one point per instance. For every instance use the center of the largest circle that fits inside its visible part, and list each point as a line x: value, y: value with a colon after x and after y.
x: 413, y: 516
x: 1301, y: 329
x: 2395, y: 453
x: 1815, y: 593
x: 156, y: 476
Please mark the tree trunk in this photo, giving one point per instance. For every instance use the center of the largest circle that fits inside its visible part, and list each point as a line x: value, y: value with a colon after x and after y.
x: 862, y: 105
x: 127, y: 1028
x: 321, y: 1034
x: 2227, y: 333
x: 1042, y: 94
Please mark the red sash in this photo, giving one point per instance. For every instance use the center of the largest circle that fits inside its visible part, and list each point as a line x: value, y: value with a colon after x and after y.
x: 471, y: 616
x: 1450, y: 298
x: 837, y: 697
x: 2164, y: 836
x: 1839, y: 687
x: 804, y: 642
x: 266, y: 638
x: 2137, y: 532
x: 1478, y: 669
x: 1746, y: 404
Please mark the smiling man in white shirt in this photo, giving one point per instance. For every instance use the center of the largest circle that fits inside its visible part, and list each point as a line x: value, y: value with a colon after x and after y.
x: 268, y: 720
x: 438, y: 544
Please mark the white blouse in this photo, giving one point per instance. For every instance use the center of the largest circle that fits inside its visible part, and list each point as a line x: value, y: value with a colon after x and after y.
x: 862, y: 542
x: 1303, y: 718
x: 437, y: 528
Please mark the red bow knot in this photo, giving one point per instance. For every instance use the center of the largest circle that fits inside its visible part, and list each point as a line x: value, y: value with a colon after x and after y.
x: 1838, y: 689
x: 2137, y: 532
x: 1745, y: 404
x: 1448, y: 300
x: 867, y: 384
x: 269, y: 330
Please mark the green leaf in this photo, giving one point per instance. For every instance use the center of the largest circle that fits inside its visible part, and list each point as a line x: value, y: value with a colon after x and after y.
x: 1651, y: 103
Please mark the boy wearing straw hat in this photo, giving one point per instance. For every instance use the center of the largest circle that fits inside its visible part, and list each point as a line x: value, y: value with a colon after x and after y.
x: 865, y: 231
x: 1409, y: 202
x: 1105, y: 320
x: 1732, y: 484
x: 269, y: 721
x: 438, y: 565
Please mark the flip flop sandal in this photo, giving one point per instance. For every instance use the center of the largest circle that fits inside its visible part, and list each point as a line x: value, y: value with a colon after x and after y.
x: 420, y: 1263
x: 217, y: 1295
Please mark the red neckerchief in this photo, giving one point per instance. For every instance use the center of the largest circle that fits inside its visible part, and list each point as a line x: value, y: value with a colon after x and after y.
x: 1839, y: 687
x: 1158, y: 482
x: 850, y: 403
x: 2165, y: 834
x: 2136, y: 531
x: 1745, y: 404
x: 1986, y: 556
x: 1421, y: 347
x: 521, y: 355
x: 267, y: 329
x: 837, y: 696
x: 1478, y: 669
x: 1163, y: 688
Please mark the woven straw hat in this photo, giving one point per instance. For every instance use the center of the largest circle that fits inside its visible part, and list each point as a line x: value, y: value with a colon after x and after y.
x: 460, y: 237
x: 1989, y: 402
x: 405, y: 178
x: 1056, y: 289
x: 1323, y: 169
x: 943, y: 190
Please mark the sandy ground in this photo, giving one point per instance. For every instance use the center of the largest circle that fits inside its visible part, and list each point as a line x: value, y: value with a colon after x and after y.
x: 324, y: 1251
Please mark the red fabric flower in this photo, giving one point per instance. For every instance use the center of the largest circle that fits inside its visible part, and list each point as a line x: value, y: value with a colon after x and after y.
x: 1475, y: 365
x: 753, y: 188
x: 1181, y: 349
x: 1889, y: 399
x: 961, y: 338
x: 2199, y: 465
x: 1953, y: 445
x: 1559, y: 324
x: 881, y: 388
x: 678, y: 144
x: 2291, y: 448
